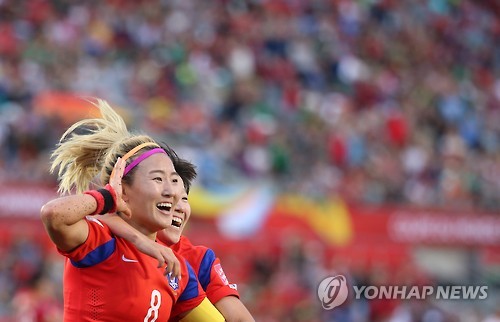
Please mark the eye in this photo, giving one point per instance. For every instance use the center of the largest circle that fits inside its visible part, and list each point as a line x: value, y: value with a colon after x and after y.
x: 159, y: 179
x: 185, y: 198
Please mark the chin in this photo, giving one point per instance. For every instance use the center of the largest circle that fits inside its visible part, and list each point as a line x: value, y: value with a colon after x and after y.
x: 173, y: 237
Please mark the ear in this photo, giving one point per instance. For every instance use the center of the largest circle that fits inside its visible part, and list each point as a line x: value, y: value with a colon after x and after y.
x: 125, y: 193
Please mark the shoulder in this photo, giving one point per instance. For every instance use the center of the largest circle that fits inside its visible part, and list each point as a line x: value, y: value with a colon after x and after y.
x: 99, y: 245
x: 186, y: 248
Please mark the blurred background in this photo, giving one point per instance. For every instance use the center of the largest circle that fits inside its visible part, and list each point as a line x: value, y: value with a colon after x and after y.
x: 331, y: 137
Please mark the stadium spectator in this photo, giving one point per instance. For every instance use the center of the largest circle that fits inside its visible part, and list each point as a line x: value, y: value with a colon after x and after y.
x: 377, y: 101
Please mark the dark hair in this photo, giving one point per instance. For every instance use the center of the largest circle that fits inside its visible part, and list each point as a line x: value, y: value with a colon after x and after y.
x: 185, y: 169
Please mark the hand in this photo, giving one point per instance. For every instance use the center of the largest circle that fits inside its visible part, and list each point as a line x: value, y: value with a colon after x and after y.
x: 115, y: 181
x: 163, y: 255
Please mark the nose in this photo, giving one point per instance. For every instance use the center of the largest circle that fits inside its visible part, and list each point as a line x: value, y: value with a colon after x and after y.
x: 180, y: 207
x: 170, y: 191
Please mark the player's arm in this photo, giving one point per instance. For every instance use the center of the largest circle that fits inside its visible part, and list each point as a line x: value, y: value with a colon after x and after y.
x: 218, y: 289
x: 191, y: 303
x: 162, y: 253
x: 204, y: 312
x: 64, y: 222
x: 233, y: 309
x: 63, y: 217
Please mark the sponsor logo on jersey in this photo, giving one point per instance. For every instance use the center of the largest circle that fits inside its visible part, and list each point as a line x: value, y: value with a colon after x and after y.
x: 128, y: 260
x: 220, y: 272
x: 90, y: 218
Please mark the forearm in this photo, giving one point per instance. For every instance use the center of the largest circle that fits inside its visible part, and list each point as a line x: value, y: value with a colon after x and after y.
x: 121, y: 228
x: 161, y: 253
x: 233, y: 310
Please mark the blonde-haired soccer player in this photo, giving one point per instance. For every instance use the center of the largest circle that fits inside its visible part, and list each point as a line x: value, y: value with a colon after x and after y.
x: 106, y: 277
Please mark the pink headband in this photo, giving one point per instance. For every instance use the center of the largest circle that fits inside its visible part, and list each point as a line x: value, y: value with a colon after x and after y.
x: 140, y: 158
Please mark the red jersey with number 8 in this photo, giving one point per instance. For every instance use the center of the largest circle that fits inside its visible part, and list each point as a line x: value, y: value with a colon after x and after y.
x: 109, y: 279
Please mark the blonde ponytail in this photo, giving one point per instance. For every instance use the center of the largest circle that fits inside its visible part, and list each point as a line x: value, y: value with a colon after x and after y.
x: 90, y: 148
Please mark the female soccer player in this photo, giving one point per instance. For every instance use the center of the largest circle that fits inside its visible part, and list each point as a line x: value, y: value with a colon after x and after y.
x: 106, y: 278
x: 206, y: 264
x: 208, y: 268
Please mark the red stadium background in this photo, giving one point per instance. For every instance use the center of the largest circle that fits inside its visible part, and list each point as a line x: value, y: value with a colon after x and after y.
x: 330, y: 137
x: 339, y: 238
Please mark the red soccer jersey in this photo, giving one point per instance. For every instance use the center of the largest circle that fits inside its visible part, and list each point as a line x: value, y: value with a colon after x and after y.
x: 109, y: 279
x: 208, y: 270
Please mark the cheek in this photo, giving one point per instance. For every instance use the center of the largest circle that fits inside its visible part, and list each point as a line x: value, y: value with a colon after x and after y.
x: 148, y: 190
x: 188, y: 213
x: 179, y: 189
x: 139, y: 197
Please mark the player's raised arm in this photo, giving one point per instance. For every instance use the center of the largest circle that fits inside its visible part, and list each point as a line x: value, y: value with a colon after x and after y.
x: 63, y: 217
x: 63, y: 220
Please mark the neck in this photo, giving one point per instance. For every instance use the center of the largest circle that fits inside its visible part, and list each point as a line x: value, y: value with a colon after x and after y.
x: 141, y: 229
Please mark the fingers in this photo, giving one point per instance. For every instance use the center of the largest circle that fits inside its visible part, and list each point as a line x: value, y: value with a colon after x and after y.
x: 117, y: 173
x: 176, y: 270
x: 160, y: 259
x: 165, y: 257
x: 126, y: 213
x: 116, y: 182
x: 114, y: 169
x: 173, y: 267
x: 173, y: 264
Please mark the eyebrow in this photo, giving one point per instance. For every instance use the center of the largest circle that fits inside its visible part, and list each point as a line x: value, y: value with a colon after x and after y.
x: 173, y: 173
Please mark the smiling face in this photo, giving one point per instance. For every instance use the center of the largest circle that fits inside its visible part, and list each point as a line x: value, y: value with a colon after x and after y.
x: 153, y: 194
x: 182, y: 212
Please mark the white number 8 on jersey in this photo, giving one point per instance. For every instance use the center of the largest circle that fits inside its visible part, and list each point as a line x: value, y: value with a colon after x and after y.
x: 155, y: 306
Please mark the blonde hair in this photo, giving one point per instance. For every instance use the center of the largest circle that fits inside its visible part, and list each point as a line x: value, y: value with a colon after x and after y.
x: 90, y: 148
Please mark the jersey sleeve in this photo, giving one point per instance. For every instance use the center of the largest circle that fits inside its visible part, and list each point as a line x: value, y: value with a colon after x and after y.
x: 213, y: 279
x: 192, y: 293
x: 100, y: 244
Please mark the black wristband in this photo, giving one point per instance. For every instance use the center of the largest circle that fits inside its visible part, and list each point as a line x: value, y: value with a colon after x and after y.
x: 109, y: 202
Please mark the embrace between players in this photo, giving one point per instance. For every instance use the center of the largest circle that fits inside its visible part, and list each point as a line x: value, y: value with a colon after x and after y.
x: 117, y: 238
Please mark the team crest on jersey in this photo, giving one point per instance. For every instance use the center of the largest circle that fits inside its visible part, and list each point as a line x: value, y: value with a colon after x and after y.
x: 173, y: 282
x: 222, y: 275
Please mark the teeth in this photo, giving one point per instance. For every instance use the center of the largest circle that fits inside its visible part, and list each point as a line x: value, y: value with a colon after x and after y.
x: 164, y: 206
x: 176, y: 221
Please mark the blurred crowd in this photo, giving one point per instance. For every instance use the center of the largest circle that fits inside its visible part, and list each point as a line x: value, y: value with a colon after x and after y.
x: 377, y: 101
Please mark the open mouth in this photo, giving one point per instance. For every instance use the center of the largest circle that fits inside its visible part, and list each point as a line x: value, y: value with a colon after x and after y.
x: 177, y: 222
x: 164, y: 206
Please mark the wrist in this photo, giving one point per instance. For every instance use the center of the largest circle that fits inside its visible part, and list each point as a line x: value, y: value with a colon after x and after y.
x: 105, y: 199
